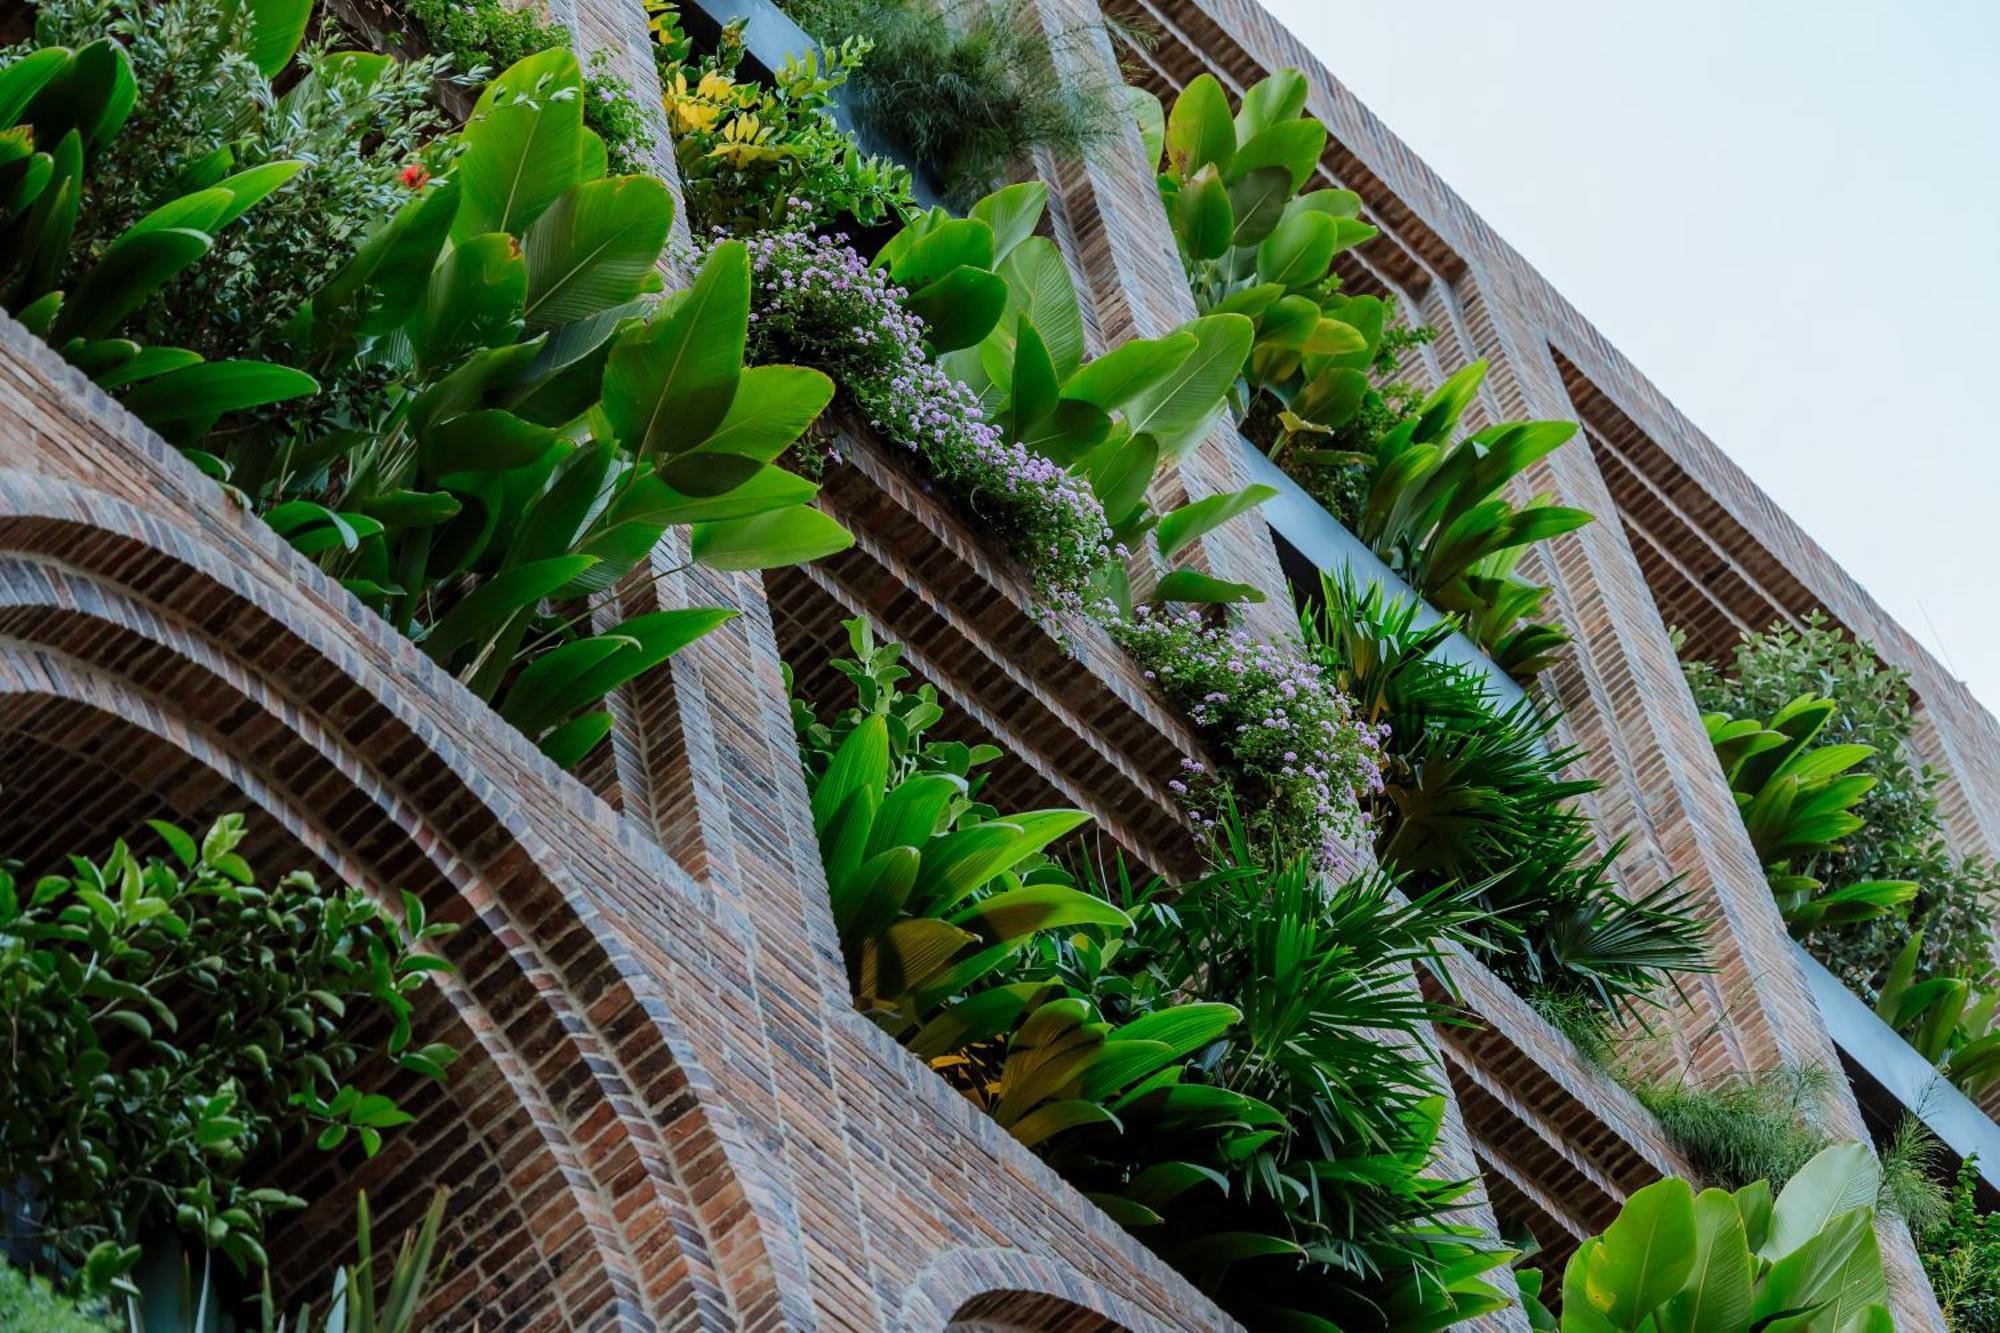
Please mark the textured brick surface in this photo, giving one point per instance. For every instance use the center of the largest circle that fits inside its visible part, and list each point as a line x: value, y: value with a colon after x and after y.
x: 669, y: 1116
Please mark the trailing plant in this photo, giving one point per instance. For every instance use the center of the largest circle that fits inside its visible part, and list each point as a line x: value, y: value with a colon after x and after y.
x: 1330, y: 1210
x: 124, y: 1102
x: 1290, y: 750
x: 1902, y: 835
x: 999, y: 305
x: 1961, y: 1254
x: 206, y: 109
x: 478, y: 34
x: 62, y: 108
x: 758, y: 157
x: 1730, y: 1263
x: 1767, y: 1124
x: 546, y: 419
x: 970, y: 90
x: 1476, y: 793
x: 1797, y: 800
x: 817, y: 302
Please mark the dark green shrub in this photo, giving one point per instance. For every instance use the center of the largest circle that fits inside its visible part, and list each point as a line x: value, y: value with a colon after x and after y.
x: 28, y: 1304
x: 1961, y: 1254
x: 487, y: 35
x: 164, y: 1025
x: 1478, y: 794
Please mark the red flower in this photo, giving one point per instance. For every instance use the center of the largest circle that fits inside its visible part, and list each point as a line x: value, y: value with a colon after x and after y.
x: 415, y: 176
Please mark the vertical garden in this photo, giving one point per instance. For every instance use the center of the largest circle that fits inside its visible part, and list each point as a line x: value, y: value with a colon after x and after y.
x: 407, y: 294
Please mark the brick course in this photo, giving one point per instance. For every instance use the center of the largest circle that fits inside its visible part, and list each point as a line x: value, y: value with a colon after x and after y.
x: 669, y: 1116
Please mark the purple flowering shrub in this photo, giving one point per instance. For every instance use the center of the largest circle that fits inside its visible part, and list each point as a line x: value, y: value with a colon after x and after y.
x: 1295, y: 759
x: 815, y: 302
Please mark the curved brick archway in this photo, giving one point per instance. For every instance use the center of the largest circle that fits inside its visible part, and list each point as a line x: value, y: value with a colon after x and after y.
x: 993, y: 1290
x: 130, y: 670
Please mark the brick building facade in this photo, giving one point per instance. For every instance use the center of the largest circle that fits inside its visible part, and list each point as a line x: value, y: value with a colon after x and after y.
x: 669, y: 1116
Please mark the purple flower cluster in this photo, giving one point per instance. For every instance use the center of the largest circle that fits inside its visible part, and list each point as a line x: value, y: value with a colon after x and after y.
x: 816, y: 302
x: 1295, y: 759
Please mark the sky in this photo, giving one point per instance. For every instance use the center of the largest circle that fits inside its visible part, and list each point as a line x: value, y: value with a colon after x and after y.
x: 1785, y: 212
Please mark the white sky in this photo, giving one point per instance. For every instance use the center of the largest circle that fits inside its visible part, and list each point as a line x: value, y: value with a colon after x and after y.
x: 1786, y: 212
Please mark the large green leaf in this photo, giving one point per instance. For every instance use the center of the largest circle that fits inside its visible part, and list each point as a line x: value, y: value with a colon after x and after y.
x: 1013, y: 212
x: 131, y: 271
x: 554, y: 688
x: 1128, y: 369
x: 1040, y: 289
x: 770, y: 540
x: 276, y: 28
x: 595, y: 248
x: 384, y: 283
x: 1191, y: 522
x: 1298, y: 251
x: 1717, y: 1296
x: 206, y: 390
x: 1016, y: 912
x: 1838, y: 1179
x: 1203, y: 217
x: 1644, y: 1256
x: 474, y: 300
x: 1200, y: 129
x: 522, y: 147
x: 1178, y: 411
x: 1294, y: 146
x: 772, y: 408
x: 670, y: 383
x: 487, y: 607
x: 1152, y: 122
x: 1273, y: 99
x: 860, y: 765
x: 959, y: 308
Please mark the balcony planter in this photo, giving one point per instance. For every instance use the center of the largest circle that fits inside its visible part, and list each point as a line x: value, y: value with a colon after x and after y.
x: 1874, y: 1047
x: 1301, y: 522
x: 769, y: 37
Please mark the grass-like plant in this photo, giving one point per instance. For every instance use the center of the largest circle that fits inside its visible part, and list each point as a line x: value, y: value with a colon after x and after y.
x: 970, y: 89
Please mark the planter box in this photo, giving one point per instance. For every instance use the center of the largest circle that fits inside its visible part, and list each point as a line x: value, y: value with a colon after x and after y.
x: 1302, y: 523
x: 769, y: 36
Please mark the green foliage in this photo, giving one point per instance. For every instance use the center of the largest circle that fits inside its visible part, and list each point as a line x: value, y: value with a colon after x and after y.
x: 998, y: 302
x: 969, y: 89
x: 478, y: 34
x: 753, y: 157
x: 1233, y: 1068
x: 207, y: 105
x: 123, y: 1105
x: 1797, y: 800
x: 546, y: 420
x: 1723, y: 1263
x: 1902, y: 835
x: 933, y: 893
x: 354, y: 1306
x: 1744, y: 1128
x: 1961, y: 1254
x: 61, y: 109
x: 1436, y: 515
x: 1476, y: 794
x: 1948, y: 1020
x: 1256, y: 242
x: 1331, y: 1210
x: 28, y: 1304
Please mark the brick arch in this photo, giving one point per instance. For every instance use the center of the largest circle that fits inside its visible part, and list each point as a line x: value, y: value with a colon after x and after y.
x: 997, y: 1290
x: 636, y: 1179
